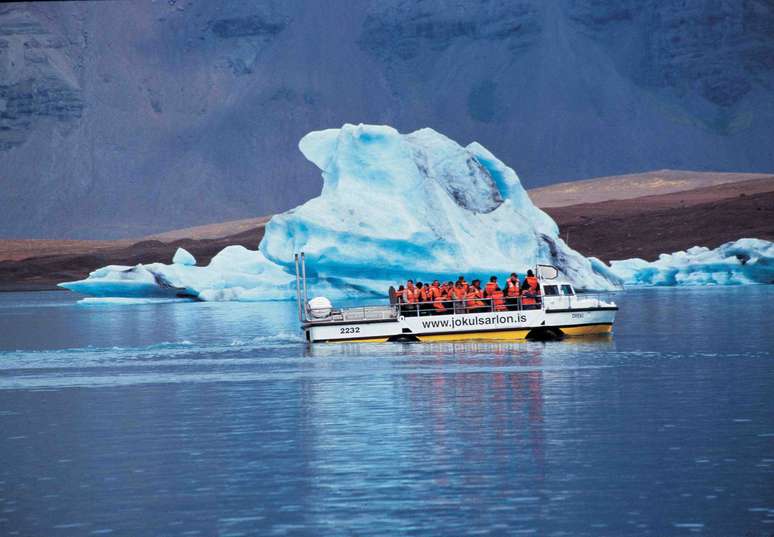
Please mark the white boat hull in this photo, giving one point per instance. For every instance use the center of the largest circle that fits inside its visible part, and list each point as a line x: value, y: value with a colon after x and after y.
x: 505, y: 325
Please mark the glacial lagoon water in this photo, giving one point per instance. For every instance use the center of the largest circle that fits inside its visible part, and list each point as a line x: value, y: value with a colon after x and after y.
x: 216, y: 419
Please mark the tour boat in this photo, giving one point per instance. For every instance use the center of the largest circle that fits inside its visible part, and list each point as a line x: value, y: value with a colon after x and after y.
x: 559, y: 312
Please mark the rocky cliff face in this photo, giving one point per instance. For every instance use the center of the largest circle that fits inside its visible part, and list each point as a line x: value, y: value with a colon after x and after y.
x: 703, y: 53
x: 37, y: 81
x: 125, y: 118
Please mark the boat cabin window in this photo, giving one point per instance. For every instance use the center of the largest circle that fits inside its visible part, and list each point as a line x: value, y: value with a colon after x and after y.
x: 567, y: 290
x: 550, y: 290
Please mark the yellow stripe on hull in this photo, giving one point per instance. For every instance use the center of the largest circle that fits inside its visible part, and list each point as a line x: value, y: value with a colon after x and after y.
x: 587, y: 330
x: 369, y: 340
x: 498, y: 335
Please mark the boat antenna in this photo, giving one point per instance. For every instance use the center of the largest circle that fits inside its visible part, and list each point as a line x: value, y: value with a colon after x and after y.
x: 303, y: 279
x: 298, y: 290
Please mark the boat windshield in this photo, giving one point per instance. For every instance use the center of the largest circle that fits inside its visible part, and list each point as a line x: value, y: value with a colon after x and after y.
x: 567, y: 290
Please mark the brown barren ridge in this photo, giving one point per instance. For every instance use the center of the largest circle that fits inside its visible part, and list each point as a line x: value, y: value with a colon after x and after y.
x: 41, y: 264
x: 637, y: 215
x: 664, y: 223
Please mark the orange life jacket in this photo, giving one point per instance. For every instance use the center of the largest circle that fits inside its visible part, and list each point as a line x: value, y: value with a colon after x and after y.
x: 531, y: 292
x: 424, y: 294
x: 489, y: 289
x: 473, y: 298
x: 532, y: 282
x: 437, y: 295
x: 457, y: 293
x: 411, y: 295
x: 498, y: 301
x: 512, y: 288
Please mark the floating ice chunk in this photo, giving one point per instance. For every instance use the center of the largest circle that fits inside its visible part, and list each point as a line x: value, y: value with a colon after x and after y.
x: 235, y: 273
x: 183, y: 257
x: 121, y: 281
x: 392, y: 207
x: 740, y: 262
x: 398, y: 206
x: 112, y: 301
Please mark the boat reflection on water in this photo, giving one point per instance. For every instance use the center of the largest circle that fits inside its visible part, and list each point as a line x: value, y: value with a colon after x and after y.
x: 437, y: 405
x: 455, y: 348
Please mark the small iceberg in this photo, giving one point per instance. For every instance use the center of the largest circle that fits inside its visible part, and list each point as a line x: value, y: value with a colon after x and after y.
x: 183, y: 257
x: 744, y: 261
x: 393, y: 206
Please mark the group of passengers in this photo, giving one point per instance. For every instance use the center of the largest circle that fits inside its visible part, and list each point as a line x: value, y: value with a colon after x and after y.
x: 462, y: 297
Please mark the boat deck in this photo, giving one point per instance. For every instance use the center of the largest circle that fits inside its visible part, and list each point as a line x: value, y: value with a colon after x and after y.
x: 387, y: 312
x: 359, y: 314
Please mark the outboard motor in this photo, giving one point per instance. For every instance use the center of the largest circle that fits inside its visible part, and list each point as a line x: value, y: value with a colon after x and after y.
x: 320, y: 307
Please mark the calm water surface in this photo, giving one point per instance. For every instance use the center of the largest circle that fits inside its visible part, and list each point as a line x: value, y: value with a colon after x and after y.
x: 216, y: 419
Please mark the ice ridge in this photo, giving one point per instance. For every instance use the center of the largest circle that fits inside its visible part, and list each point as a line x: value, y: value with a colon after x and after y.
x: 393, y: 206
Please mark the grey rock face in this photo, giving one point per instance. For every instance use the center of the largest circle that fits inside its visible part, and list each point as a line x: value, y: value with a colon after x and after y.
x: 126, y: 118
x: 33, y: 85
x: 715, y: 49
x: 252, y: 26
x: 402, y: 30
x: 249, y: 35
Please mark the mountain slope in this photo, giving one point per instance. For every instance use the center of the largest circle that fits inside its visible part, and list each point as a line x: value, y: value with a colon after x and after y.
x: 638, y: 185
x: 122, y: 119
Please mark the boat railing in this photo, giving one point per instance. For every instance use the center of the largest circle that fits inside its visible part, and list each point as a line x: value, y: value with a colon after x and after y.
x: 369, y: 313
x: 415, y: 309
x: 580, y: 300
x: 352, y: 314
x: 391, y: 312
x: 460, y: 306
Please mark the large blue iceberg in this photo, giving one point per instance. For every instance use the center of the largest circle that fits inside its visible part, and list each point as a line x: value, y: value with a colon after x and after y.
x: 734, y: 263
x: 393, y: 206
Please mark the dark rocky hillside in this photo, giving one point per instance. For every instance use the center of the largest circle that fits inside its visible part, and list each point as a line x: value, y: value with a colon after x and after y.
x: 648, y: 226
x: 121, y: 119
x: 641, y: 226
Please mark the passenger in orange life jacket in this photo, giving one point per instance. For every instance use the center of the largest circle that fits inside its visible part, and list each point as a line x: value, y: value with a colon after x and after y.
x: 448, y: 290
x: 420, y: 294
x: 473, y: 297
x: 444, y: 287
x: 498, y: 299
x: 512, y: 291
x: 400, y: 294
x: 488, y: 290
x: 435, y: 286
x: 530, y: 290
x: 461, y: 281
x: 436, y: 295
x: 425, y: 298
x: 411, y: 292
x: 458, y: 295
